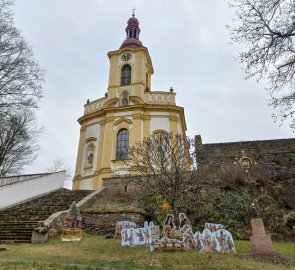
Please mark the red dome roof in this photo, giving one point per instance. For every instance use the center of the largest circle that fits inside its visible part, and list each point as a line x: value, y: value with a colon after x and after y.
x: 132, y: 22
x: 131, y: 43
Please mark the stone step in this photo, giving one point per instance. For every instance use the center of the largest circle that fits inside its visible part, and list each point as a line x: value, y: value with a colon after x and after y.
x: 15, y: 241
x: 16, y: 231
x: 18, y: 226
x: 5, y: 225
x: 16, y: 237
x: 29, y: 216
x: 8, y: 223
x: 12, y: 222
x: 6, y: 230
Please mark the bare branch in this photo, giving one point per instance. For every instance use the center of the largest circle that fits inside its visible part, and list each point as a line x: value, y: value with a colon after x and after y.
x: 20, y: 91
x: 267, y: 29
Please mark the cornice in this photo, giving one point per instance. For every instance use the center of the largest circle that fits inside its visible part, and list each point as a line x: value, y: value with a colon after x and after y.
x: 146, y: 107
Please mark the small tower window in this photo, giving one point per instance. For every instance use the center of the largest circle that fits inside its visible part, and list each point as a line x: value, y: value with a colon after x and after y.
x: 126, y: 75
x: 130, y: 33
x: 122, y: 144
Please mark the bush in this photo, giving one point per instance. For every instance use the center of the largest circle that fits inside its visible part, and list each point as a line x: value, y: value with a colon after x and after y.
x: 224, y: 195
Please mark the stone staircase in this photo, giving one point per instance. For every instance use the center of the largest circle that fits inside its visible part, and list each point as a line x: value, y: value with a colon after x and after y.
x: 17, y: 222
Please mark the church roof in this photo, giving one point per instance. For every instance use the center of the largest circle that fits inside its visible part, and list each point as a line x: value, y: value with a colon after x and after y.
x: 132, y: 34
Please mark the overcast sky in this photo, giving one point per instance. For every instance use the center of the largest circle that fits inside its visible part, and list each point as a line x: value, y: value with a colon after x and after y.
x: 190, y: 50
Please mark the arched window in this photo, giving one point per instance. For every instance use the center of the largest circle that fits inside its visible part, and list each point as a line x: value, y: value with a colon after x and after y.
x: 126, y: 75
x: 160, y: 134
x: 122, y: 144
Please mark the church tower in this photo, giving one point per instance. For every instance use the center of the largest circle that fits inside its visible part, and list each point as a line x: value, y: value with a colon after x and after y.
x: 129, y: 112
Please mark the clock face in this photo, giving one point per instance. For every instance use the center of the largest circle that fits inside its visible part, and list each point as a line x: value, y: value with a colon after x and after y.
x: 126, y: 56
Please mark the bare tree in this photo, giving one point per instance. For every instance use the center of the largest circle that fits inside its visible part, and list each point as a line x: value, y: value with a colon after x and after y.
x: 59, y: 164
x: 267, y: 29
x: 20, y: 74
x: 164, y: 165
x: 18, y: 141
x: 20, y: 90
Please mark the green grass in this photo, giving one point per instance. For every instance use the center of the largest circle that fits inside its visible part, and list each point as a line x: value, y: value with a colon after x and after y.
x: 96, y: 252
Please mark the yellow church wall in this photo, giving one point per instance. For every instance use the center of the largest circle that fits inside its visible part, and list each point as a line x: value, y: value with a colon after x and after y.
x: 141, y: 120
x: 113, y: 76
x: 119, y: 115
x: 86, y: 184
x: 137, y: 130
x: 146, y: 124
x: 159, y: 123
x: 107, y: 144
x: 91, y: 141
x: 179, y: 130
x: 92, y: 130
x: 101, y: 148
x: 76, y: 181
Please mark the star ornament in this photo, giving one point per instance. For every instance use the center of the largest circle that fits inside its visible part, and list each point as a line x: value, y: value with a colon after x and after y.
x: 165, y: 206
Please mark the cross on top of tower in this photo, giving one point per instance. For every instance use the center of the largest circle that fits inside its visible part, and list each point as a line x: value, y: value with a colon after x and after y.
x: 133, y: 11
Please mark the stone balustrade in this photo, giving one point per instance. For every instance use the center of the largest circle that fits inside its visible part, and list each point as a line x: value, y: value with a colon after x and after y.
x: 94, y: 105
x: 159, y: 97
x: 155, y: 97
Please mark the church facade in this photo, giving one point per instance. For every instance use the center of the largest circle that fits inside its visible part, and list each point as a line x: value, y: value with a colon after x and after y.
x: 127, y: 113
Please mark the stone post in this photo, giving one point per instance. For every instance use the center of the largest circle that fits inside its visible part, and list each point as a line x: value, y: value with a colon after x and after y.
x: 260, y: 241
x: 39, y: 237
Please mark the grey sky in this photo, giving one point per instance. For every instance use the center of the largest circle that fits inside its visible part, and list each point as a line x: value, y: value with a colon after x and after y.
x: 188, y: 43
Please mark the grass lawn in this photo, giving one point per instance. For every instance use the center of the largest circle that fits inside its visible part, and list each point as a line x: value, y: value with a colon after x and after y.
x: 96, y: 252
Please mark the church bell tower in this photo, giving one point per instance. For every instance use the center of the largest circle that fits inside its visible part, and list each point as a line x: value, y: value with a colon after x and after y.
x: 130, y: 66
x: 128, y: 112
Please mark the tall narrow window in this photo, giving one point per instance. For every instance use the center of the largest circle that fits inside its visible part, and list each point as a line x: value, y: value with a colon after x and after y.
x: 126, y: 75
x: 122, y: 144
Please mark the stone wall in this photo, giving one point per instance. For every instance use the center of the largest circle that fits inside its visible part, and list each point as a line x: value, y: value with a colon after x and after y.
x: 55, y: 223
x: 277, y: 156
x: 119, y: 183
x: 105, y: 221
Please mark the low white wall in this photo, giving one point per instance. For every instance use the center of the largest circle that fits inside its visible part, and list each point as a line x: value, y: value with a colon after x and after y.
x: 22, y: 191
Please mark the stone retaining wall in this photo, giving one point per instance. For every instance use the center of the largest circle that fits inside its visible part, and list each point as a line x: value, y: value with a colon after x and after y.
x: 105, y: 222
x: 119, y: 183
x: 277, y: 156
